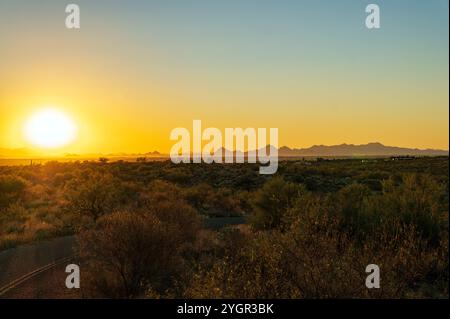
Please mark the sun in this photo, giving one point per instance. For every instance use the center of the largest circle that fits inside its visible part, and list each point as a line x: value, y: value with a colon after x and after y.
x: 50, y: 128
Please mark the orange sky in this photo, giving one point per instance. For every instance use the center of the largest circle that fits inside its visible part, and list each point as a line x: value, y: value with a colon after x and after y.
x: 127, y: 83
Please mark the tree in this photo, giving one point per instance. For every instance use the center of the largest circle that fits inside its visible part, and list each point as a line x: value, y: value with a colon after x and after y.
x: 95, y: 195
x: 103, y: 160
x: 129, y: 253
x: 126, y: 253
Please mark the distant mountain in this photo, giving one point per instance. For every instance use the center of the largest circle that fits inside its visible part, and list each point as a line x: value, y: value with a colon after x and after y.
x: 154, y: 153
x: 371, y: 149
x: 31, y: 153
x: 344, y: 150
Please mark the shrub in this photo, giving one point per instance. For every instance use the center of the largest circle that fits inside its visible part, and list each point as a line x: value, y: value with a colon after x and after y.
x: 95, y: 195
x: 272, y: 201
x: 126, y: 253
x: 11, y: 189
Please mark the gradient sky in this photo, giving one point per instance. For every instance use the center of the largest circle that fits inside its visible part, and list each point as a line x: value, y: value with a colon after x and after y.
x: 137, y: 69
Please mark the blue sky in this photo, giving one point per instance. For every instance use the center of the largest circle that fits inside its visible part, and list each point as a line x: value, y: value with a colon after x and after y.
x: 275, y: 63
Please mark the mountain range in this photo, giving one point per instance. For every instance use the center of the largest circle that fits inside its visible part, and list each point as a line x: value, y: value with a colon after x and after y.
x: 344, y: 150
x: 370, y: 149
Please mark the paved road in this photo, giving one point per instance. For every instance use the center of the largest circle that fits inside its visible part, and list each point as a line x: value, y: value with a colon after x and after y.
x: 19, y: 261
x: 16, y: 262
x: 47, y: 285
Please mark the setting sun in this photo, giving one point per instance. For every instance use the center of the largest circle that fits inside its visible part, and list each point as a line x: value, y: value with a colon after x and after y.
x: 50, y: 128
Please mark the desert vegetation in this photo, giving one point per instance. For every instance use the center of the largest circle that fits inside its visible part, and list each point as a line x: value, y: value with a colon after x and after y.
x: 144, y: 228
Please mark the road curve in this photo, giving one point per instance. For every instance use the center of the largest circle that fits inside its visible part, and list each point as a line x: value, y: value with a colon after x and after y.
x: 24, y: 262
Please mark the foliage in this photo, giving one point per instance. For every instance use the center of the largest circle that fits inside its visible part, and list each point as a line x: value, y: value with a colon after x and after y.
x: 311, y: 229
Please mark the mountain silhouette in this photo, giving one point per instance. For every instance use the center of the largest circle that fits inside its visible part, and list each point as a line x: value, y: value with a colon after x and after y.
x: 370, y: 149
x: 345, y: 150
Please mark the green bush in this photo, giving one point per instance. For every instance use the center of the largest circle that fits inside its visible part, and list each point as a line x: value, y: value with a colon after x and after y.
x: 272, y: 202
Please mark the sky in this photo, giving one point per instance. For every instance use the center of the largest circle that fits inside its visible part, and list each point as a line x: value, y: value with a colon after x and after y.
x: 135, y: 70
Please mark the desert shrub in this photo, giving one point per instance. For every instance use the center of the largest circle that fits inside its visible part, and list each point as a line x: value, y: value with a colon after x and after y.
x: 12, y: 218
x: 178, y: 175
x: 407, y: 262
x: 182, y: 220
x: 60, y: 179
x: 327, y: 240
x: 314, y: 241
x: 11, y: 189
x: 129, y: 254
x: 417, y: 201
x: 213, y: 202
x: 158, y: 190
x: 199, y: 195
x: 125, y: 253
x: 39, y: 195
x: 347, y: 205
x: 315, y: 259
x: 94, y: 195
x: 19, y: 225
x: 247, y: 269
x: 272, y: 201
x: 274, y: 264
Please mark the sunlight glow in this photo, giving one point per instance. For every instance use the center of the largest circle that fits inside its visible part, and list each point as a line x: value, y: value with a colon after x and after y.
x: 50, y: 128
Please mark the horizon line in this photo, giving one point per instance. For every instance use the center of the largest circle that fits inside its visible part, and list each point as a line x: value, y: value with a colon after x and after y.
x: 49, y: 153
